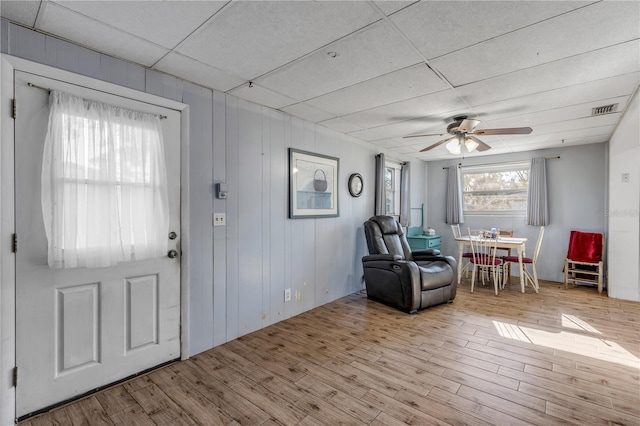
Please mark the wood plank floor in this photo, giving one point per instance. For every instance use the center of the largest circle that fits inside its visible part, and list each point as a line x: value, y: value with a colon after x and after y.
x: 557, y: 357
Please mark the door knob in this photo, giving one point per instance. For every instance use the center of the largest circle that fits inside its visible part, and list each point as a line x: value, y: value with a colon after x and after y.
x: 173, y: 235
x: 172, y: 254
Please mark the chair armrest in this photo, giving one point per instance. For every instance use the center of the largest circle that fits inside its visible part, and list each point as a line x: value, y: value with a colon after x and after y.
x: 389, y: 257
x: 418, y: 254
x: 433, y: 258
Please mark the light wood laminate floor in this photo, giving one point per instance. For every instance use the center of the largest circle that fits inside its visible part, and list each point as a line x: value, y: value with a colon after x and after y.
x: 557, y: 357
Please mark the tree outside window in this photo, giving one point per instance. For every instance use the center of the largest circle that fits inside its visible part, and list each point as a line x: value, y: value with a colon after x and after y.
x: 498, y: 189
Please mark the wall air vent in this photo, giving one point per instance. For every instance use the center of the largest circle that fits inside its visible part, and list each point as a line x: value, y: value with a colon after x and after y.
x: 605, y: 109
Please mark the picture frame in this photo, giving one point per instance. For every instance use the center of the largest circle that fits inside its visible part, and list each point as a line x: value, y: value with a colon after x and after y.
x: 313, y: 185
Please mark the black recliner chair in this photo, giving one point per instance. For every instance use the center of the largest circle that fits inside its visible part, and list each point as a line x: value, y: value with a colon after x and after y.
x: 396, y: 276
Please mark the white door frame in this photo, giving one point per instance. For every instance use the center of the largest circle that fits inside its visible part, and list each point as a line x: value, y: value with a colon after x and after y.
x: 8, y: 64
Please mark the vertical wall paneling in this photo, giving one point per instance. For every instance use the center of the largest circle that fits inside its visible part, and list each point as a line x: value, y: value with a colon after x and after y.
x: 62, y: 54
x: 249, y: 218
x: 233, y: 213
x: 89, y: 63
x: 201, y: 250
x: 163, y: 85
x: 27, y: 44
x: 4, y: 36
x: 219, y: 232
x: 307, y: 290
x: 297, y: 232
x: 277, y: 203
x: 288, y: 223
x: 324, y: 250
x: 266, y: 216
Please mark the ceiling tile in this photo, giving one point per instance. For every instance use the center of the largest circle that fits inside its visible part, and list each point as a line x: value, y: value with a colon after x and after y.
x: 307, y: 112
x: 71, y: 25
x: 441, y: 27
x: 165, y: 23
x: 403, y: 84
x: 430, y: 108
x: 197, y: 72
x: 21, y: 12
x: 374, y: 51
x: 340, y: 125
x: 604, y: 63
x: 242, y: 41
x: 581, y: 31
x: 391, y: 7
x: 262, y: 96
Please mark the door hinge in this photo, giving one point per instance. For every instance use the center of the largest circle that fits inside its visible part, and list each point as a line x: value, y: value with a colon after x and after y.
x: 15, y: 377
x: 14, y: 245
x: 14, y: 108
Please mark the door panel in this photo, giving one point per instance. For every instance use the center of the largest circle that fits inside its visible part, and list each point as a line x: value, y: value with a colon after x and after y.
x: 79, y: 329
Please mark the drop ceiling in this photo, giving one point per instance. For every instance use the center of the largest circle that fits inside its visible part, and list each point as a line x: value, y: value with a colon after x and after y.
x: 381, y: 70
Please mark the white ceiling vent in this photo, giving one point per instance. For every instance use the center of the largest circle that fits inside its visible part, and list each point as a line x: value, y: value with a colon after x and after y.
x: 605, y: 109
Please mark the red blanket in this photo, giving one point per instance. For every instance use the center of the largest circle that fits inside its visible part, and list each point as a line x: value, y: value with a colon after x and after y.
x: 585, y: 247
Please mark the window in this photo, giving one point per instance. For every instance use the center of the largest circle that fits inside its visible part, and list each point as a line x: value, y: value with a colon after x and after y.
x: 495, y: 189
x: 104, y: 190
x: 392, y: 188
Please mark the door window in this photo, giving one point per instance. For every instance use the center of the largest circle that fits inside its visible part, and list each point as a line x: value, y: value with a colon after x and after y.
x: 104, y: 184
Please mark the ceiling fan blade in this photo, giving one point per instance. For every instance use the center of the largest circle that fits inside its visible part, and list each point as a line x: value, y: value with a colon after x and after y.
x: 481, y: 145
x: 435, y: 144
x: 505, y: 131
x: 419, y: 136
x: 468, y: 125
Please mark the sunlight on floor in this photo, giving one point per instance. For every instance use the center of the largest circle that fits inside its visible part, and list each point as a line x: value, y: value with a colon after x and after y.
x: 572, y: 342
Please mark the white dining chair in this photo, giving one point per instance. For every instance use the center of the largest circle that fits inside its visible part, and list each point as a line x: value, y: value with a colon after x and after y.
x: 530, y: 277
x: 483, y: 259
x: 466, y: 253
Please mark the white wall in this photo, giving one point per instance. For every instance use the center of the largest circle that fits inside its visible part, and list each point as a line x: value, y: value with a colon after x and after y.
x: 577, y: 184
x: 624, y: 206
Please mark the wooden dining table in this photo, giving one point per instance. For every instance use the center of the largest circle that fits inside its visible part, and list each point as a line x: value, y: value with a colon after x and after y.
x: 517, y: 243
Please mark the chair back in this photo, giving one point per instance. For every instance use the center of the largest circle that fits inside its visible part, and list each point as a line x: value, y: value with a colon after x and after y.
x: 585, y: 246
x: 456, y: 231
x: 483, y: 249
x: 538, y: 245
x: 385, y: 235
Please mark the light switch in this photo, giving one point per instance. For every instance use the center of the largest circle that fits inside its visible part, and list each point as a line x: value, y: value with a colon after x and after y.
x: 625, y: 178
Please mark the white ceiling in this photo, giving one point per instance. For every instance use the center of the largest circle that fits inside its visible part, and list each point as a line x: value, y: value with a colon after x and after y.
x: 400, y: 67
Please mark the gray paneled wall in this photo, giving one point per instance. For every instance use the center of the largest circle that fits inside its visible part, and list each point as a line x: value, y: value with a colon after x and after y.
x: 238, y: 272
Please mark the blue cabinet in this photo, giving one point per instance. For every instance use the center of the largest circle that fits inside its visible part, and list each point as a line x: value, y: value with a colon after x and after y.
x: 418, y: 241
x: 421, y: 242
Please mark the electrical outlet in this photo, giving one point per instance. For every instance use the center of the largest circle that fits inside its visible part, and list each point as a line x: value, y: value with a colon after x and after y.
x: 219, y: 219
x: 287, y: 294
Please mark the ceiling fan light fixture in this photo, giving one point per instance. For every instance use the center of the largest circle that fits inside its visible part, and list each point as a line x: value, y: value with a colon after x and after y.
x: 471, y: 145
x: 453, y: 146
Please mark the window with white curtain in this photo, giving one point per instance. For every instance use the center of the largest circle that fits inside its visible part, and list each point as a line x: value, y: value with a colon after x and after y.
x: 392, y: 188
x: 104, y: 184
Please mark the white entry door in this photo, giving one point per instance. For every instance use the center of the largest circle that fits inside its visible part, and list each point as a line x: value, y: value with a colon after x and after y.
x: 79, y: 329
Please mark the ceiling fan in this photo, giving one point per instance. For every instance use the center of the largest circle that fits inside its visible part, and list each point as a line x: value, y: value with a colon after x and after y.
x: 462, y: 131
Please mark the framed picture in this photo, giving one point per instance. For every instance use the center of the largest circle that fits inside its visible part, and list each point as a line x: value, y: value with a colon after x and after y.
x: 313, y: 185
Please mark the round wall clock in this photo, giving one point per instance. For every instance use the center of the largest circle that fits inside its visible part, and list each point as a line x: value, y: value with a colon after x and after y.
x: 355, y: 185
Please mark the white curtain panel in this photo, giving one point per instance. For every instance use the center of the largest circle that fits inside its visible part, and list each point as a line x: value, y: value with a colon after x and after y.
x: 380, y: 207
x: 405, y: 195
x: 537, y: 202
x: 104, y: 184
x: 454, y: 196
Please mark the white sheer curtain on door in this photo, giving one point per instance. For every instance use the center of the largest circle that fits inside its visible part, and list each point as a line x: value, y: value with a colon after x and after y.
x: 104, y: 184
